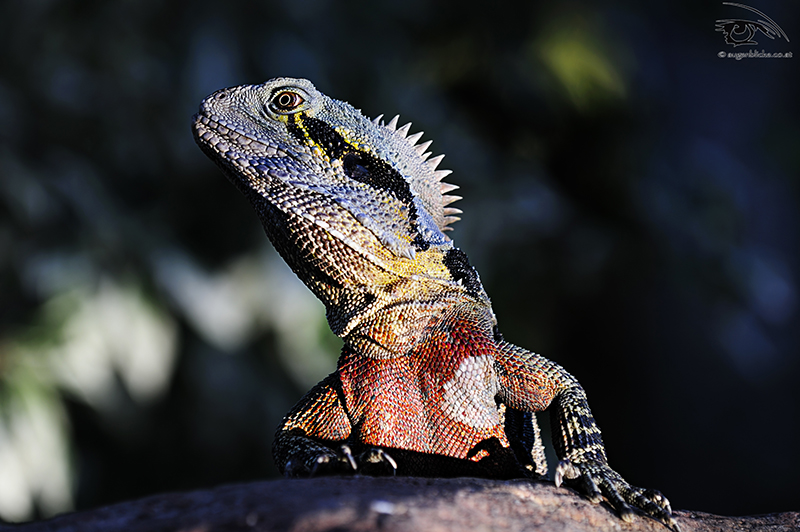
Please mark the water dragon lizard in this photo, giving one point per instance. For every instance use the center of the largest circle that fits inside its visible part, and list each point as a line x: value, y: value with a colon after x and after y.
x: 425, y: 384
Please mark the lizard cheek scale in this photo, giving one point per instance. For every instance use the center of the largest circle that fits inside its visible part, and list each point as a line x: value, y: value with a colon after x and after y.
x: 425, y: 385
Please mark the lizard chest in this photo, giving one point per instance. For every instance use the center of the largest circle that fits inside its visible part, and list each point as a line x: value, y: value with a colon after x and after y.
x: 440, y: 398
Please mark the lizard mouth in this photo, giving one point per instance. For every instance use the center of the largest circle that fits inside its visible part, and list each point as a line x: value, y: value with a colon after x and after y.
x: 218, y: 139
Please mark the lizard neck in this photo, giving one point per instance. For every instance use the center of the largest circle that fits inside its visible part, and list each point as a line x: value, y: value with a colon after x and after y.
x: 373, y: 298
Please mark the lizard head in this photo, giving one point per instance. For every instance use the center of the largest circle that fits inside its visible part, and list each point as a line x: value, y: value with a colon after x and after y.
x: 355, y: 206
x: 285, y: 141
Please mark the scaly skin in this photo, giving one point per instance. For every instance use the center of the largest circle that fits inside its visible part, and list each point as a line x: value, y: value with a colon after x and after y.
x: 425, y: 384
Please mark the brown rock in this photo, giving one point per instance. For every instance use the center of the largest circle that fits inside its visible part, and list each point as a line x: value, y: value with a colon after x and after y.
x: 382, y: 504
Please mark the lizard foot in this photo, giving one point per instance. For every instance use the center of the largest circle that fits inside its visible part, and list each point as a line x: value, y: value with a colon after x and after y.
x: 324, y: 462
x: 341, y: 461
x: 597, y: 480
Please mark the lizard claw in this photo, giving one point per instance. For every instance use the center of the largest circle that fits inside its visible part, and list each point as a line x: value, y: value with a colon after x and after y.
x: 348, y: 454
x: 597, y: 481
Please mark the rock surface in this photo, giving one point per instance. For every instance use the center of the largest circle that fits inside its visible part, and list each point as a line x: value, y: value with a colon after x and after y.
x: 382, y: 504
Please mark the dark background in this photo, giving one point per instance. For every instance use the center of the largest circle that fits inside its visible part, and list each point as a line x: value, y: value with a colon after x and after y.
x: 630, y: 198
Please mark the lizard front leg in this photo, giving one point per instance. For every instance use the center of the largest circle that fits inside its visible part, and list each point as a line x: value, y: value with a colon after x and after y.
x: 312, y: 439
x: 530, y: 382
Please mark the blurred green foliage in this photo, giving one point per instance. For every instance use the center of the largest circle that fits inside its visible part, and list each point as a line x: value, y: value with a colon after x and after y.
x: 631, y: 202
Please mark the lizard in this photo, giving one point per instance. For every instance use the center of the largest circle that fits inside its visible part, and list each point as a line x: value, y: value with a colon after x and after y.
x: 425, y: 385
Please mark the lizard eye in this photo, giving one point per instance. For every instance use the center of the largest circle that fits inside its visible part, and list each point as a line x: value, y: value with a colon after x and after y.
x: 286, y: 101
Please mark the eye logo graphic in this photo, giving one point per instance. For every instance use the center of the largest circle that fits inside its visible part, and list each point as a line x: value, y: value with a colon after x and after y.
x: 739, y: 31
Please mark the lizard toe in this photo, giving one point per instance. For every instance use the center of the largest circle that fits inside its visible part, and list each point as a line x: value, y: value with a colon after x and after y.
x: 375, y: 461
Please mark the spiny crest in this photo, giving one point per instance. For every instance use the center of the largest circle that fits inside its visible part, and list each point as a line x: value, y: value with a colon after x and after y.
x: 426, y: 180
